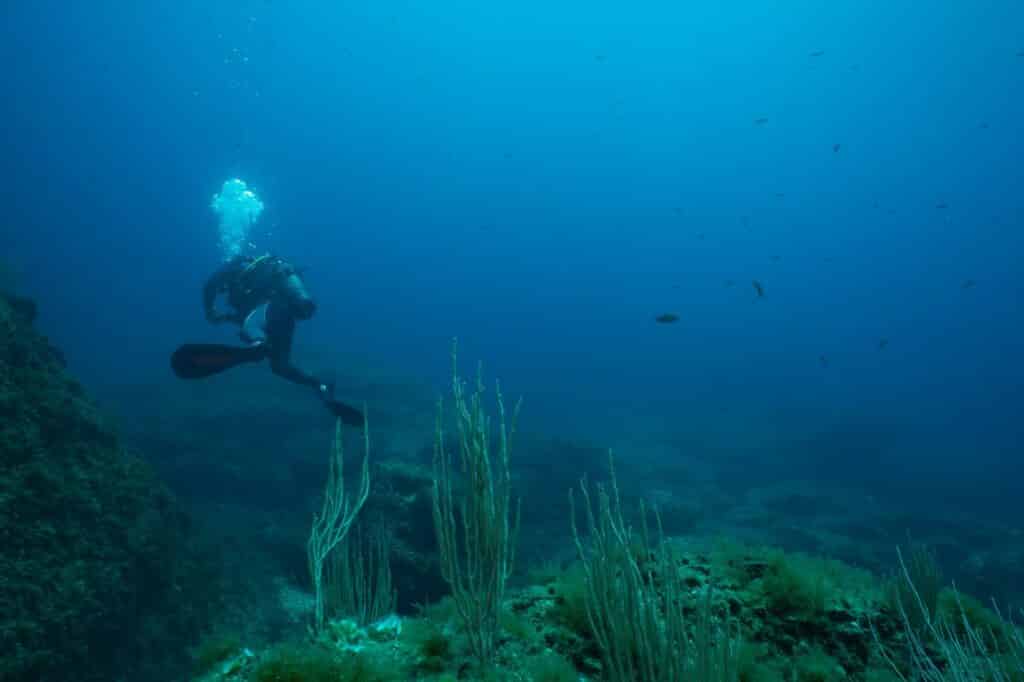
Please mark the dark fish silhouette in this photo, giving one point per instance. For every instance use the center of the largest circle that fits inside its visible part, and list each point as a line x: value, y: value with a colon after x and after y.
x: 882, y: 343
x: 760, y: 121
x: 1020, y: 53
x: 666, y: 318
x: 729, y: 282
x: 823, y: 360
x: 817, y: 53
x: 780, y: 195
x: 836, y: 147
x: 942, y: 204
x: 968, y: 283
x: 758, y: 288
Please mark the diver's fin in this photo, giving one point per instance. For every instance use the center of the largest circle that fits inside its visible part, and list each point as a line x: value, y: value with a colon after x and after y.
x: 198, y: 360
x: 348, y: 415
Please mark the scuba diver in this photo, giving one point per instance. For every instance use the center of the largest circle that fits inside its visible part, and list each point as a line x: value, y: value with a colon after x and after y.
x: 267, y: 296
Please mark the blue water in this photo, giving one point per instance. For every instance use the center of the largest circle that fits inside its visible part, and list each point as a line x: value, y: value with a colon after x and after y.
x: 541, y: 180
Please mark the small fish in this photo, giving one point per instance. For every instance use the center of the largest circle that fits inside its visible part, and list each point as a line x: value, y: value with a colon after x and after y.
x: 1020, y: 53
x: 823, y: 361
x: 730, y: 282
x: 700, y: 236
x: 942, y: 205
x: 758, y: 288
x: 601, y: 58
x: 780, y: 195
x: 817, y: 53
x: 776, y: 259
x: 760, y: 121
x: 882, y: 343
x: 968, y: 284
x: 836, y: 147
x: 666, y: 318
x: 983, y: 125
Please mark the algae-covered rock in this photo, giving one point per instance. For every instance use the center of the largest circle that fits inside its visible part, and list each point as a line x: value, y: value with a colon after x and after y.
x: 96, y: 572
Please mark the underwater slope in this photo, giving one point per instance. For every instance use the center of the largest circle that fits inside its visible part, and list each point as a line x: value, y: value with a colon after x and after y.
x: 98, y: 570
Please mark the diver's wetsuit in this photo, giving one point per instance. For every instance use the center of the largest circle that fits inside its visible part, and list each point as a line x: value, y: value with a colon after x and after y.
x: 270, y: 288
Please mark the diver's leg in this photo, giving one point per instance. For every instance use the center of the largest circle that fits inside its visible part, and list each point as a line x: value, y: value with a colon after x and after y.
x: 280, y: 330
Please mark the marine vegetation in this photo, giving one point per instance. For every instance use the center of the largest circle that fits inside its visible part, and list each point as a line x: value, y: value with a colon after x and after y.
x: 104, y: 555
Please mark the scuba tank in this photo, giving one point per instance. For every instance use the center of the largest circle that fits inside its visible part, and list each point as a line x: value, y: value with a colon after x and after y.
x: 271, y: 278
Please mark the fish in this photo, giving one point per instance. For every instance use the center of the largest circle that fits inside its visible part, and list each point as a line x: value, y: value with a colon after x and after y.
x: 823, y: 361
x: 758, y: 288
x: 666, y: 318
x: 817, y: 53
x: 1020, y: 53
x: 729, y: 282
x: 942, y: 204
x: 836, y: 147
x: 968, y: 283
x: 776, y: 259
x: 882, y: 343
x: 760, y: 121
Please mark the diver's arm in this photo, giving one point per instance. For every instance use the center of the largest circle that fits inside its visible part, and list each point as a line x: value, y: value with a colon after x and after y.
x: 210, y: 291
x: 217, y: 282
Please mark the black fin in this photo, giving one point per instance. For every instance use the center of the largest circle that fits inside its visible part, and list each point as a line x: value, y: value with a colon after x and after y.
x: 199, y: 360
x: 348, y: 415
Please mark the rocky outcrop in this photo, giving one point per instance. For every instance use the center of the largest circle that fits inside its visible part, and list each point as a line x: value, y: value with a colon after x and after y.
x: 100, y: 577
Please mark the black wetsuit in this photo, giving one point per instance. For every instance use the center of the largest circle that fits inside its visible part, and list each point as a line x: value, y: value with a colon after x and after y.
x: 273, y: 284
